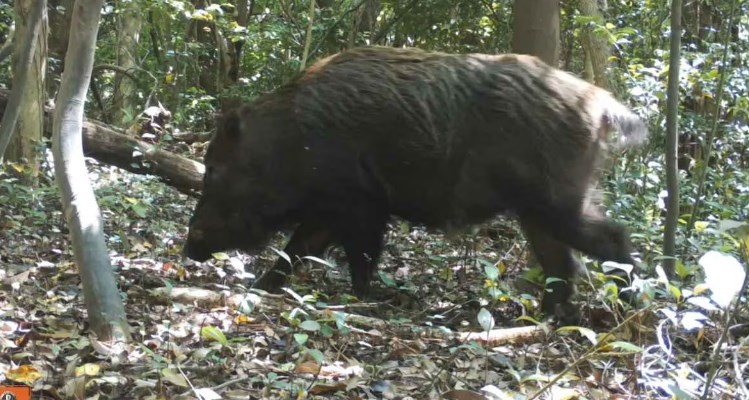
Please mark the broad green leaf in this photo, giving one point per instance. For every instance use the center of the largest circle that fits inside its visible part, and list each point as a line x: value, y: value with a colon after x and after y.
x: 174, y: 376
x: 316, y: 355
x: 310, y: 325
x: 491, y: 271
x: 387, y: 279
x: 301, y: 338
x: 211, y: 333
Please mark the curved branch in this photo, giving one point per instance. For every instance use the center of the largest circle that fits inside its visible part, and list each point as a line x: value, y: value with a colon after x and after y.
x: 7, y: 48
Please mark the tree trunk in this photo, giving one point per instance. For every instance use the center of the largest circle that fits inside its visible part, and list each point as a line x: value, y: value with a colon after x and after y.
x: 672, y: 134
x: 22, y: 66
x: 25, y: 144
x: 535, y: 29
x: 209, y: 57
x: 308, y: 37
x: 129, y: 24
x: 244, y: 11
x: 106, y: 313
x: 364, y: 21
x: 60, y: 12
x: 107, y: 145
x: 595, y: 45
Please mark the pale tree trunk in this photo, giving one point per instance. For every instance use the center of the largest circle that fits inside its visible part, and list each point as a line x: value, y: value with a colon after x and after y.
x: 535, y: 29
x: 21, y: 76
x: 672, y: 143
x: 129, y: 24
x: 106, y: 312
x: 595, y: 45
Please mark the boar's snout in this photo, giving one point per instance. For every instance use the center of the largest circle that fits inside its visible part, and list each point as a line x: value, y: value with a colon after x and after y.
x: 195, y: 248
x: 195, y: 234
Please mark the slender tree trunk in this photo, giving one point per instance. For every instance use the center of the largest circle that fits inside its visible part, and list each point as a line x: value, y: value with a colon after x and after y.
x: 106, y: 312
x: 60, y: 12
x: 535, y: 29
x: 129, y: 24
x: 308, y: 38
x: 672, y: 134
x: 595, y: 45
x: 21, y: 78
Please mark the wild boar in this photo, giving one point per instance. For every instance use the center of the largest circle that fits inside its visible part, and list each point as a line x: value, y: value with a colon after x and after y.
x: 442, y: 140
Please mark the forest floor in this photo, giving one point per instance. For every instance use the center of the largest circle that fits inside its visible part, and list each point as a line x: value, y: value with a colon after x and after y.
x: 199, y: 332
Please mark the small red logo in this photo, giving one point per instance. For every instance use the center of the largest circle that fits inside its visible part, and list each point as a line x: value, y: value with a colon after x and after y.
x: 15, y: 392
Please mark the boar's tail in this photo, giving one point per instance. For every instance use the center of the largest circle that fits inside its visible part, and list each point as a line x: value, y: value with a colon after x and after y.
x: 616, y: 116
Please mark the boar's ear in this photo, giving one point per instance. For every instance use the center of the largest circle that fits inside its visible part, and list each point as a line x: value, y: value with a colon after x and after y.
x: 228, y: 124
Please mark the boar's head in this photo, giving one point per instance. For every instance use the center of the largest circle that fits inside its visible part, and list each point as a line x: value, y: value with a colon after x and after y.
x: 236, y: 209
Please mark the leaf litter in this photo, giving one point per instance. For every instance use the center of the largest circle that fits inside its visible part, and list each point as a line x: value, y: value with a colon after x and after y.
x: 450, y: 318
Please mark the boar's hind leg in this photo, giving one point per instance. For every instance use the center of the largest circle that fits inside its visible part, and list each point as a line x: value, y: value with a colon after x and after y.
x: 309, y: 239
x: 558, y: 262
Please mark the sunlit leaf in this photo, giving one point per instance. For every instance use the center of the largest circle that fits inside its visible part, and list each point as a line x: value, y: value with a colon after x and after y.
x: 626, y: 346
x: 211, y: 333
x: 586, y: 332
x: 691, y: 320
x: 486, y: 319
x: 319, y: 261
x: 700, y: 226
x: 207, y: 394
x: 724, y: 275
x: 243, y: 319
x: 88, y: 369
x: 25, y: 374
x: 174, y: 376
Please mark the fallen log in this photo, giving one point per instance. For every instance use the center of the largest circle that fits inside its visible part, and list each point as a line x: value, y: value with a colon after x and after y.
x: 105, y: 144
x: 110, y: 147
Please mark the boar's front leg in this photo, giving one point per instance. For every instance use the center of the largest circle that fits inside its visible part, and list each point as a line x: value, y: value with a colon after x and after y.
x: 309, y: 239
x: 361, y: 228
x: 555, y: 228
x: 558, y: 262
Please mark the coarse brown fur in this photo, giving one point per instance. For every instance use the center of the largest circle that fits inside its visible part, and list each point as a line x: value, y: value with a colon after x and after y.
x: 443, y: 140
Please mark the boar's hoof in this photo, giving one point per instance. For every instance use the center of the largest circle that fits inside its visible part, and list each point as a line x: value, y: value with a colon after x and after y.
x: 566, y: 314
x: 271, y: 281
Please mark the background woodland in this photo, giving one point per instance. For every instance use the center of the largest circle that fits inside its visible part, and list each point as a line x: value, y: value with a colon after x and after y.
x: 96, y: 301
